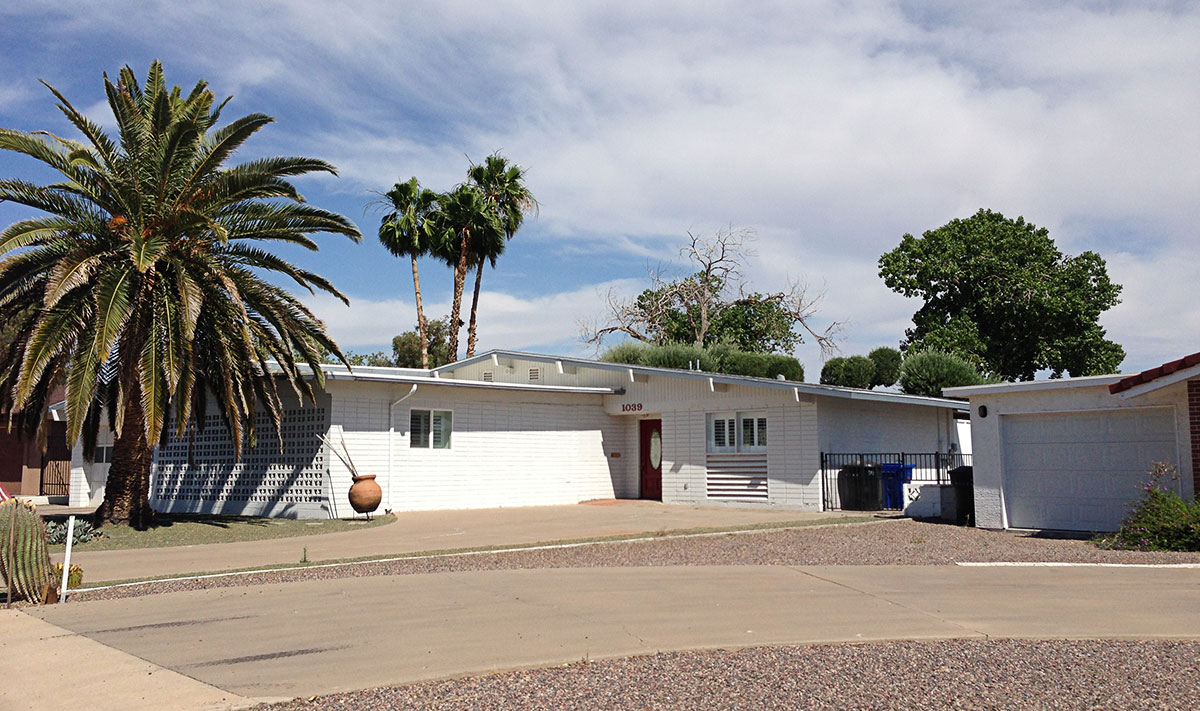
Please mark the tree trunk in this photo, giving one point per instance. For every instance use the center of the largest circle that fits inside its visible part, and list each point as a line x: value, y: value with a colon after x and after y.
x: 127, y: 492
x: 474, y: 311
x: 460, y: 279
x: 420, y: 315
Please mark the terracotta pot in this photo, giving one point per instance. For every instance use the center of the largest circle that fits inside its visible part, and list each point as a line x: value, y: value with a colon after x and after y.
x: 365, y: 494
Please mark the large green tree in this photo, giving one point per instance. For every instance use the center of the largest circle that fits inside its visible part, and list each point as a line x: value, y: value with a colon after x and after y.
x: 409, y: 230
x: 999, y: 294
x: 506, y: 197
x: 406, y: 351
x: 143, y: 279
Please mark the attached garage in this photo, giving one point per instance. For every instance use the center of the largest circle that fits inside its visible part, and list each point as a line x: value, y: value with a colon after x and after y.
x: 1078, y: 471
x: 1073, y: 454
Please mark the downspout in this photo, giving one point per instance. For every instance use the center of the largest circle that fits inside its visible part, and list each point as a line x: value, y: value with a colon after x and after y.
x: 391, y: 440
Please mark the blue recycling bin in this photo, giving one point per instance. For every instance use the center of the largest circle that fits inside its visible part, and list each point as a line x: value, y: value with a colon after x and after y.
x: 894, y: 476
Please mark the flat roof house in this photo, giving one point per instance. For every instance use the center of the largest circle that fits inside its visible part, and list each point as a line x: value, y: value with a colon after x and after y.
x: 520, y: 429
x: 1071, y: 454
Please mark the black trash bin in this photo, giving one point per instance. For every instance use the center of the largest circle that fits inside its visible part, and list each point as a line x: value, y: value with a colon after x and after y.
x: 963, y: 481
x: 860, y: 487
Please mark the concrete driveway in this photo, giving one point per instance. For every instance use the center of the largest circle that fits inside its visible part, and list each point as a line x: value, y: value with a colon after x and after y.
x: 417, y: 531
x: 323, y: 636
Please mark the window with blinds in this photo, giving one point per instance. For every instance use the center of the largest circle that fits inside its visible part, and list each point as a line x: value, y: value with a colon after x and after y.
x: 430, y: 429
x: 730, y: 432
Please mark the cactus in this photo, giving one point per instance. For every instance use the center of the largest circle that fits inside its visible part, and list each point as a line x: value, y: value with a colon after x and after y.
x: 24, y: 557
x: 74, y: 577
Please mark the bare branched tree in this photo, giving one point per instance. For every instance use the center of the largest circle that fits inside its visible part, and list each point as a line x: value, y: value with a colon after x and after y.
x: 689, y: 305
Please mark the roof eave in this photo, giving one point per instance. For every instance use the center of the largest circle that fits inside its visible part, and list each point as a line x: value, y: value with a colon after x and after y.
x: 1031, y: 385
x: 807, y: 388
x: 1160, y: 382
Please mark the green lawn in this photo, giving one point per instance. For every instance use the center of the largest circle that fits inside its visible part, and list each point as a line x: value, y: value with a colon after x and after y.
x: 197, y: 529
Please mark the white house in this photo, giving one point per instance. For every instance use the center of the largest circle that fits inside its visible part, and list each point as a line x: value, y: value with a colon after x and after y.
x: 1071, y: 454
x: 520, y: 429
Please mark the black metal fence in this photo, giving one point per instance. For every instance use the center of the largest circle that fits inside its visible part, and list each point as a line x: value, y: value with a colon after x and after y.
x: 883, y: 474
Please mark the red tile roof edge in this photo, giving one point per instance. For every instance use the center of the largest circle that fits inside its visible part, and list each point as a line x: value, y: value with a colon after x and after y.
x: 1154, y: 373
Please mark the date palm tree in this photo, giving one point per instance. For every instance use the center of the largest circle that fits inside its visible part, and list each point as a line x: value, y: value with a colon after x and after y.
x: 409, y: 230
x: 142, y: 284
x: 506, y: 197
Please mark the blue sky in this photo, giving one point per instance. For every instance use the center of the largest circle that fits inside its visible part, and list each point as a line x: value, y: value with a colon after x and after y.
x: 829, y: 128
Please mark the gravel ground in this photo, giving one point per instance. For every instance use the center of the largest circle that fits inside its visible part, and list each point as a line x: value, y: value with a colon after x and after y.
x: 956, y: 674
x: 901, y: 542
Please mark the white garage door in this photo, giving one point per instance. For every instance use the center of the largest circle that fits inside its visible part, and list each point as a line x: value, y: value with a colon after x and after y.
x: 1079, y: 471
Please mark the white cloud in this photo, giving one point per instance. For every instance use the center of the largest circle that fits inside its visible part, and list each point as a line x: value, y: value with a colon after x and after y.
x: 831, y: 127
x: 549, y: 322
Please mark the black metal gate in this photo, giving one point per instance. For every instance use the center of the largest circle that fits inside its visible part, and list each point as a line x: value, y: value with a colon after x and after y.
x: 870, y: 481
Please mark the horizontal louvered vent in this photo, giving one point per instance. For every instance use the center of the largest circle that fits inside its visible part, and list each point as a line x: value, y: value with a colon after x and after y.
x: 737, y: 476
x: 488, y: 376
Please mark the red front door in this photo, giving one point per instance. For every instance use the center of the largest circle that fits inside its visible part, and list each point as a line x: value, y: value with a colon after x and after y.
x: 651, y: 459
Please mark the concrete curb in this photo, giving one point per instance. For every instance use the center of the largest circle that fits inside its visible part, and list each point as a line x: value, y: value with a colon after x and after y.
x: 1049, y: 564
x: 459, y: 554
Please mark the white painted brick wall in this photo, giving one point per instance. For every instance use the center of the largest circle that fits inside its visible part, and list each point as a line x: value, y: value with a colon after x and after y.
x: 507, y: 448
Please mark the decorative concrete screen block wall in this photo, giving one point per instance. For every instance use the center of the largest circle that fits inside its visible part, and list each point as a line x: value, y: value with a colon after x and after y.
x: 284, y: 476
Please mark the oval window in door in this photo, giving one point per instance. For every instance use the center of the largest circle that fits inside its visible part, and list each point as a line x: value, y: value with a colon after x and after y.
x: 655, y: 450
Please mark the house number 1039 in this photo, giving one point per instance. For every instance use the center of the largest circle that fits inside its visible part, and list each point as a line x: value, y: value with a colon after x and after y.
x: 631, y: 407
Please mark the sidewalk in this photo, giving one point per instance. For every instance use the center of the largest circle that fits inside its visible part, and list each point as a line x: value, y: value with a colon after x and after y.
x: 431, y: 530
x: 47, y: 668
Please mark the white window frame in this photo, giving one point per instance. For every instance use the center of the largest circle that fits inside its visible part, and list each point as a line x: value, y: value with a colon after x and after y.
x: 758, y: 431
x: 738, y: 443
x: 722, y: 422
x: 428, y: 442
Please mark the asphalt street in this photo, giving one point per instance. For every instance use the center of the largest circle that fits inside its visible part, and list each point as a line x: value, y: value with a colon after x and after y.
x: 323, y: 636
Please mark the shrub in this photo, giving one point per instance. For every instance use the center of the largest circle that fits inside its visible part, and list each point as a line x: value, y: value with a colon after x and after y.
x: 56, y: 532
x: 787, y: 366
x: 853, y: 372
x: 74, y: 575
x: 629, y: 353
x: 887, y: 366
x: 1161, y: 520
x: 831, y: 372
x: 742, y: 363
x: 674, y: 355
x: 928, y: 372
x: 717, y: 357
x: 720, y: 358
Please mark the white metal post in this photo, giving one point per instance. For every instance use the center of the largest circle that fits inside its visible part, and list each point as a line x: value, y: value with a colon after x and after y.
x: 62, y: 591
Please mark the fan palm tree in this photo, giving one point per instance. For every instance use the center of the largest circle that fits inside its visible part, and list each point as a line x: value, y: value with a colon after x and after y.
x: 143, y: 282
x: 462, y: 220
x: 409, y: 229
x: 506, y: 197
x: 486, y: 248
